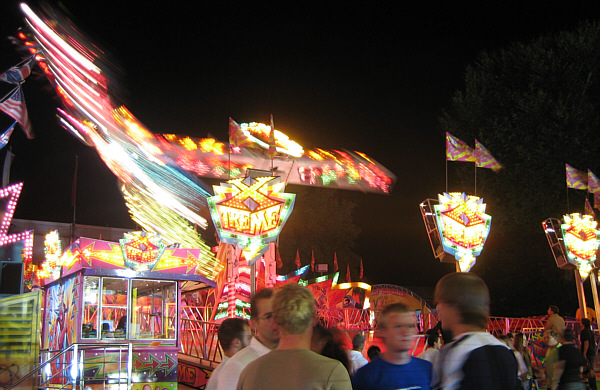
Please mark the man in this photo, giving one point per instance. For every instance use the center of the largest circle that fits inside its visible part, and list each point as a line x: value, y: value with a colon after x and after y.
x: 434, y: 343
x: 551, y: 338
x: 293, y: 365
x: 555, y: 322
x: 266, y: 338
x: 395, y: 368
x: 568, y: 368
x: 475, y: 359
x: 588, y: 349
x: 355, y: 356
x: 234, y: 335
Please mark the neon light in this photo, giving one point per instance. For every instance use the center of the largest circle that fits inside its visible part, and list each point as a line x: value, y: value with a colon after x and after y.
x: 250, y: 213
x: 463, y: 226
x: 141, y: 250
x: 581, y: 240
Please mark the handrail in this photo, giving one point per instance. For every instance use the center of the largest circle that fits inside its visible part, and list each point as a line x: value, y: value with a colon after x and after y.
x: 74, y: 367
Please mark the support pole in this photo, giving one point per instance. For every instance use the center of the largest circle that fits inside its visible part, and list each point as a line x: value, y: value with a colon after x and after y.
x: 580, y: 293
x: 593, y: 278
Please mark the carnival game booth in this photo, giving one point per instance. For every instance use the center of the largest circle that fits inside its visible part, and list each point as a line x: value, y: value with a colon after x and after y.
x: 102, y: 295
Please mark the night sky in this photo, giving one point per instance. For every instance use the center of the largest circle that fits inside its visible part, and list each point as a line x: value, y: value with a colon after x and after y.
x: 371, y: 78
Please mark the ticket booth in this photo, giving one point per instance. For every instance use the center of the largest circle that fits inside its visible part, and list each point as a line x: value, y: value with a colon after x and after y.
x: 101, y: 293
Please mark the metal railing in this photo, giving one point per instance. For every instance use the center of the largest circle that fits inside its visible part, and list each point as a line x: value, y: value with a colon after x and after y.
x: 68, y: 368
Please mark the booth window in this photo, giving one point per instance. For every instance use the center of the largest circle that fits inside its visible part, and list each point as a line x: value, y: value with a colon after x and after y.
x: 114, y: 306
x: 90, y: 307
x: 154, y: 309
x: 152, y: 303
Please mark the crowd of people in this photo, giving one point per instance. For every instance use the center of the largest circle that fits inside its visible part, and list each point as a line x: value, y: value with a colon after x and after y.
x: 283, y: 346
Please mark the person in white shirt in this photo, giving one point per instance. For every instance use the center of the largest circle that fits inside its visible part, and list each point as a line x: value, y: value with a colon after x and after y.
x: 234, y: 335
x: 357, y: 360
x: 434, y: 343
x: 266, y: 338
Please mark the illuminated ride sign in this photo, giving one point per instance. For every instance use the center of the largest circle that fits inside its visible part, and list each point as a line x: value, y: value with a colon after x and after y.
x: 581, y: 240
x: 250, y: 213
x: 463, y: 226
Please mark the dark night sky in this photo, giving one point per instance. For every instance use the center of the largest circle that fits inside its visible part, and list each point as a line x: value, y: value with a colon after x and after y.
x: 372, y: 78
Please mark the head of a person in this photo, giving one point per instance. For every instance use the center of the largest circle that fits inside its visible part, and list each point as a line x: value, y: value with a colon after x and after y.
x: 587, y: 324
x: 358, y: 342
x: 568, y: 336
x: 261, y: 318
x: 234, y: 334
x: 397, y: 327
x: 373, y: 352
x: 462, y: 299
x: 325, y: 342
x: 520, y: 342
x: 553, y: 309
x: 433, y: 339
x: 293, y: 309
x: 551, y: 337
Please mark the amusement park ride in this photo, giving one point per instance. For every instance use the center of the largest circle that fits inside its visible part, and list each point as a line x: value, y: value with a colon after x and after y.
x: 98, y: 301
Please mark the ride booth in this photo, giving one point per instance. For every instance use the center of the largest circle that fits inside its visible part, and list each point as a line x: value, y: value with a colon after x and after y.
x: 119, y: 304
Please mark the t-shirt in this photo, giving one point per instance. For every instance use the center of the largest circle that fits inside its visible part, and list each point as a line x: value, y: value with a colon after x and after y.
x: 476, y: 360
x: 573, y: 361
x: 294, y: 369
x: 383, y: 375
x: 588, y: 335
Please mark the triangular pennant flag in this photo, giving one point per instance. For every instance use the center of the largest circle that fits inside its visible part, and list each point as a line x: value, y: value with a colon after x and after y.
x: 272, y: 147
x: 18, y: 73
x: 593, y: 183
x: 457, y: 150
x: 588, y: 208
x: 14, y: 106
x: 348, y: 279
x: 298, y: 264
x: 236, y: 135
x: 312, y: 262
x: 361, y: 270
x: 575, y: 178
x: 597, y: 201
x: 4, y: 137
x: 484, y: 158
x: 335, y: 263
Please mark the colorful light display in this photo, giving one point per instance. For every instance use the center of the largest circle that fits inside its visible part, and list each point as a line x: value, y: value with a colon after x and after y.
x: 463, y: 226
x: 20, y: 242
x: 250, y: 213
x: 581, y: 240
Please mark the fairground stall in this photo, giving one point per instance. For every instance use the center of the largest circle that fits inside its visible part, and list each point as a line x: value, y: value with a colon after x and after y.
x: 116, y: 306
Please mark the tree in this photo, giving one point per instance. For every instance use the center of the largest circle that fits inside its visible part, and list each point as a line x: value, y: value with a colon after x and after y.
x: 535, y: 106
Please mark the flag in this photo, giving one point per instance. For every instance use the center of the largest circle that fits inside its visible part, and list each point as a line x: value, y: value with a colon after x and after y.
x: 588, y: 208
x: 348, y: 279
x: 278, y: 257
x: 596, y: 201
x: 361, y: 270
x: 575, y: 178
x: 335, y: 264
x: 298, y: 264
x: 457, y: 150
x: 6, y: 170
x: 593, y: 183
x: 236, y: 136
x: 4, y: 137
x: 18, y: 73
x: 312, y: 262
x: 272, y: 147
x: 484, y: 158
x: 14, y: 106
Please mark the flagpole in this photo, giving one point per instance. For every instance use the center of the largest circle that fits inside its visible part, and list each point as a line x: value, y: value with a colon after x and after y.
x: 475, y: 179
x: 74, y: 197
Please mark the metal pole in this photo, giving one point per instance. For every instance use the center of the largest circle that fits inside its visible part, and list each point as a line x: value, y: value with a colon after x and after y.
x: 595, y: 294
x: 580, y: 293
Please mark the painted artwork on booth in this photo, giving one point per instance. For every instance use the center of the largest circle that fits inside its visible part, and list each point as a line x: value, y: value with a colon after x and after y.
x: 61, y: 314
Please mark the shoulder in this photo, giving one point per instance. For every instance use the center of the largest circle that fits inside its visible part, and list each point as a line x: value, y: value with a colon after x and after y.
x: 422, y: 363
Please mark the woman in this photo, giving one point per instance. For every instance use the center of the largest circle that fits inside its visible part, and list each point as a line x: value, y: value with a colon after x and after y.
x: 520, y: 344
